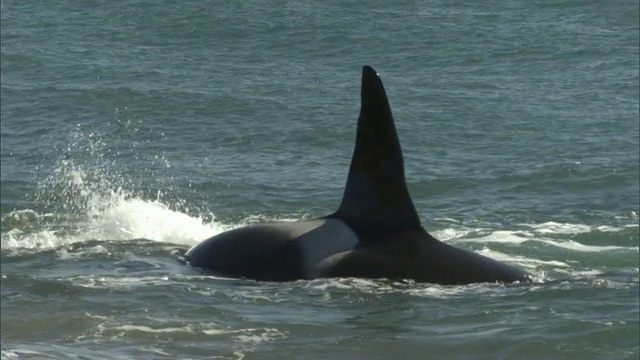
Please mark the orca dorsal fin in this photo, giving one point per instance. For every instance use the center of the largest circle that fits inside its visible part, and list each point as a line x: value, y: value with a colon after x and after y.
x: 376, y: 197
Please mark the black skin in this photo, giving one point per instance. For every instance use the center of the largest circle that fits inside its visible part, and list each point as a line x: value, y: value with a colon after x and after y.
x: 375, y: 233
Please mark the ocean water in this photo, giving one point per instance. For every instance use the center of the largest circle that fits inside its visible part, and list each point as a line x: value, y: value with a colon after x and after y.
x: 132, y: 131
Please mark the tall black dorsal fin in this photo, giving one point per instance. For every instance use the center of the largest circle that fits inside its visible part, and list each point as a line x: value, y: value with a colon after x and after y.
x: 376, y: 196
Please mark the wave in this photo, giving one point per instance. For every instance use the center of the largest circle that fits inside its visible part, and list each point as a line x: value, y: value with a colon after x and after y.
x: 89, y: 202
x: 517, y: 237
x: 119, y: 216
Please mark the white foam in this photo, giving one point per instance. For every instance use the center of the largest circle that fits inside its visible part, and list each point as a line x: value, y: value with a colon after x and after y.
x: 247, y: 335
x: 255, y: 336
x: 132, y: 218
x: 117, y: 217
x: 498, y: 236
x: 586, y: 272
x: 383, y: 286
x: 18, y: 239
x: 520, y: 260
x: 559, y: 228
x: 519, y: 237
x: 28, y: 353
x: 148, y: 329
x: 576, y: 246
x: 606, y: 228
x: 447, y: 220
x: 96, y: 206
x: 109, y: 282
x: 9, y: 355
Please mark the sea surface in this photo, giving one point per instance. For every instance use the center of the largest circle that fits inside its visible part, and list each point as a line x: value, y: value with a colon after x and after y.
x: 134, y: 129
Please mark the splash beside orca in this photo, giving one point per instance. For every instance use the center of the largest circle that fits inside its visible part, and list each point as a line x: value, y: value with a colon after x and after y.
x: 375, y: 233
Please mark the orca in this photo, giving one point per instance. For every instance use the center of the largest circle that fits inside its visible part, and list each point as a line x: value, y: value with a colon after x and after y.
x: 375, y: 233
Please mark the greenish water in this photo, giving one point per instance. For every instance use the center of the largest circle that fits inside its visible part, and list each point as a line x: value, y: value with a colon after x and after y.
x: 133, y: 131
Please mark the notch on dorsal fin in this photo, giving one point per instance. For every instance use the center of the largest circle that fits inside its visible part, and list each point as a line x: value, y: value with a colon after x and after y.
x: 376, y: 197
